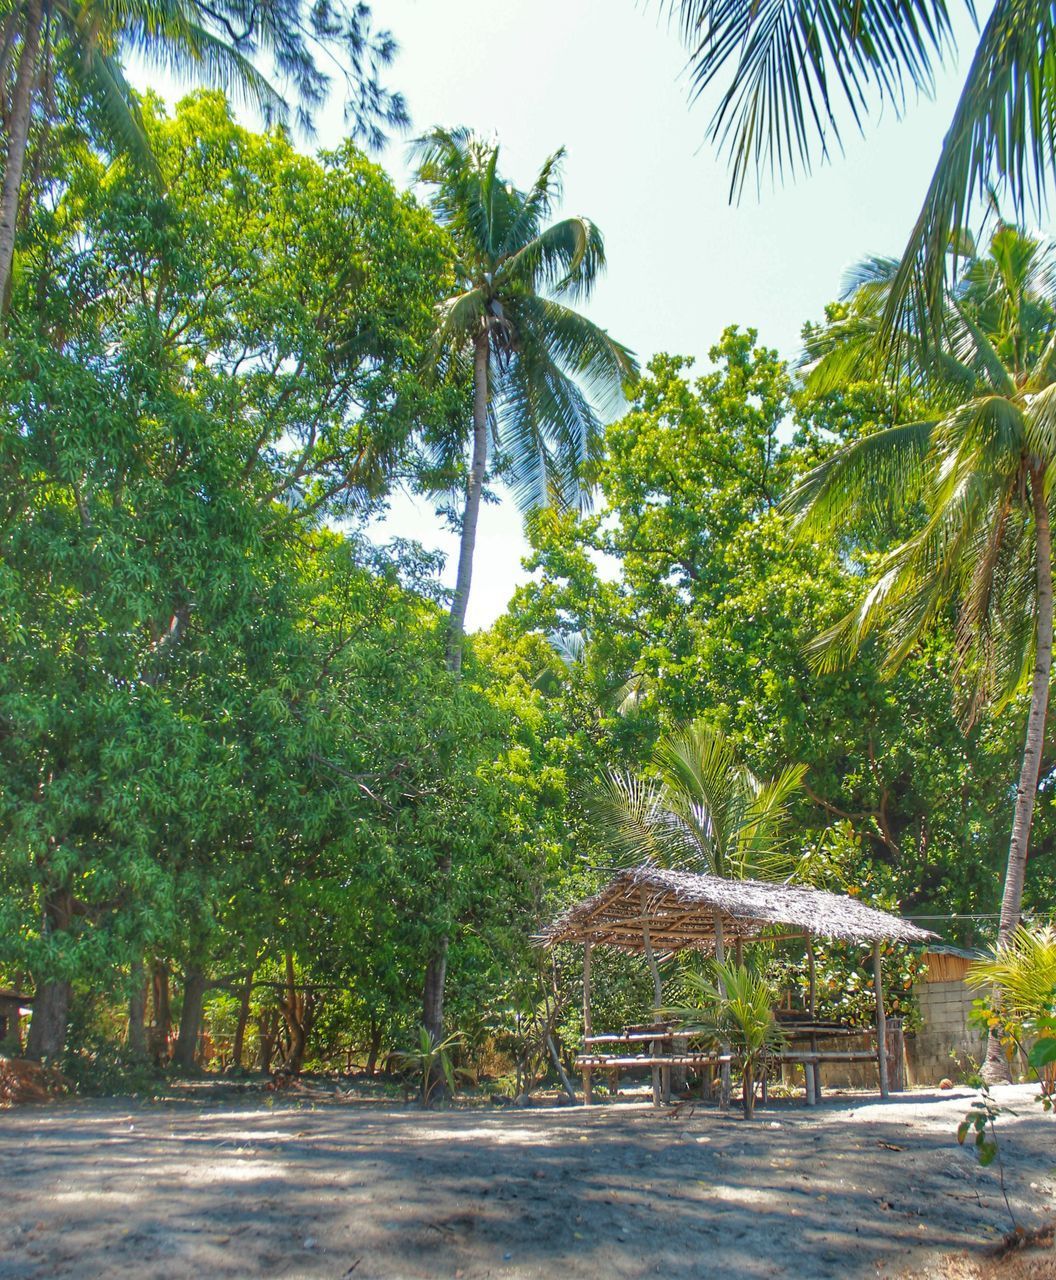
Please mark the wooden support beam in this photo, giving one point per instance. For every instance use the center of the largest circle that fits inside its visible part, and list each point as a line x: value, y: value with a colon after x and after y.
x: 813, y: 1010
x: 587, y: 1026
x: 720, y: 956
x: 658, y: 993
x: 881, y: 1019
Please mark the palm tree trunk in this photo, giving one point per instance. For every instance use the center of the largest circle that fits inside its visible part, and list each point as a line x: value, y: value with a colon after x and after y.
x: 996, y: 1066
x: 436, y: 969
x: 474, y: 489
x: 18, y: 139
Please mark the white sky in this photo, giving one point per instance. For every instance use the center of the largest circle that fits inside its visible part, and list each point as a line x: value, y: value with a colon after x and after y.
x: 604, y: 79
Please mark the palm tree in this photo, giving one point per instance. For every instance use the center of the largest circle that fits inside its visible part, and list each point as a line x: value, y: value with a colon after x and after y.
x: 733, y: 1005
x: 1023, y: 970
x: 981, y: 467
x: 535, y: 362
x: 83, y: 41
x: 796, y: 65
x: 698, y: 810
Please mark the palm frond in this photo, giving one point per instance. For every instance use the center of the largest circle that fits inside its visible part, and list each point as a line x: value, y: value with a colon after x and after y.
x: 565, y: 259
x: 586, y: 352
x: 535, y: 207
x: 1002, y: 137
x: 862, y: 483
x: 547, y: 430
x: 631, y: 825
x: 103, y: 80
x: 794, y: 65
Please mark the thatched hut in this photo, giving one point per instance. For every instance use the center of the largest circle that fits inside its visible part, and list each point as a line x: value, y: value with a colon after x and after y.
x: 647, y: 909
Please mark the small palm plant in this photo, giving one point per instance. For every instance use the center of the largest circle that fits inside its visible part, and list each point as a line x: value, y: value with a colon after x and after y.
x: 1023, y: 970
x: 431, y: 1064
x: 733, y: 1006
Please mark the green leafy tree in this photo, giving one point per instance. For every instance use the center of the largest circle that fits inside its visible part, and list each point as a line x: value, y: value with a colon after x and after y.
x: 66, y: 52
x: 708, y: 603
x: 194, y: 381
x: 980, y: 469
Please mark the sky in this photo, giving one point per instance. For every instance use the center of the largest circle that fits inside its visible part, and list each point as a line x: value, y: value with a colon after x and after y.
x: 605, y: 79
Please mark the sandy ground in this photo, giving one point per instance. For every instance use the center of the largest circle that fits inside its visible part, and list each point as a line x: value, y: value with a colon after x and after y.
x: 854, y: 1188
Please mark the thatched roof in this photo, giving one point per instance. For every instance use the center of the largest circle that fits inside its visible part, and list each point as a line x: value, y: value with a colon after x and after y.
x: 680, y: 912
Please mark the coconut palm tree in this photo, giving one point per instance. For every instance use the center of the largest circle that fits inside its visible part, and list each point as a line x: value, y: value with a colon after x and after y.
x: 83, y: 41
x: 981, y: 468
x: 731, y: 1004
x: 791, y: 69
x: 538, y: 367
x: 1023, y: 970
x: 699, y: 809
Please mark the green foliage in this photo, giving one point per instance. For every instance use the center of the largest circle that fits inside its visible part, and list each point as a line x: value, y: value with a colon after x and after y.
x: 98, y: 1067
x: 732, y: 1010
x: 704, y: 811
x: 709, y: 604
x: 1019, y: 1008
x: 430, y: 1064
x: 515, y: 278
x: 978, y: 1120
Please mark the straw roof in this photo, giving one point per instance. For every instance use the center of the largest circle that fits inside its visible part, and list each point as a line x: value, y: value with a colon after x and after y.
x: 679, y: 908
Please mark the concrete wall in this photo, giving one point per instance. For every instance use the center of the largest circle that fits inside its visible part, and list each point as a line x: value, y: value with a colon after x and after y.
x: 945, y: 1045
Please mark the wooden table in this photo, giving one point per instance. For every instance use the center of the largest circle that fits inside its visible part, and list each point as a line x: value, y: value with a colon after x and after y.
x: 662, y: 1052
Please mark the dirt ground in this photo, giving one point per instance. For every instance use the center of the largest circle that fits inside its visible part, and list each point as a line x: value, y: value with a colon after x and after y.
x: 192, y: 1188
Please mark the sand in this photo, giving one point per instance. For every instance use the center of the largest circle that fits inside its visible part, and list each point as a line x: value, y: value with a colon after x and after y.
x: 853, y: 1188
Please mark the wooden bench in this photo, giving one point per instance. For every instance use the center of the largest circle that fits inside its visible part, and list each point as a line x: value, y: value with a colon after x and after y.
x: 815, y: 1030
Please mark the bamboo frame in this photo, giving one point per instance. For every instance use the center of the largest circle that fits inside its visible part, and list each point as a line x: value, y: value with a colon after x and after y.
x: 587, y: 1026
x: 881, y: 1020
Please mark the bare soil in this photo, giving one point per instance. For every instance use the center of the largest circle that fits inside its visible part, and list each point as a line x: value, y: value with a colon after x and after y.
x: 256, y: 1186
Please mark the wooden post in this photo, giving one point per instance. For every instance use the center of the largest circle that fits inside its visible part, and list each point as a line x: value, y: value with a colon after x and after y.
x: 812, y: 1009
x: 881, y: 1021
x: 587, y: 1029
x: 658, y: 991
x: 720, y: 956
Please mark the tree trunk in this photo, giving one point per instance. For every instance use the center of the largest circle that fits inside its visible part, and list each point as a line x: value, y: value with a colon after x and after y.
x: 474, y: 488
x: 298, y: 1011
x: 240, y: 1028
x: 436, y: 969
x: 748, y: 1090
x: 161, y: 1034
x: 18, y: 139
x: 47, y: 1030
x: 136, y: 1039
x: 194, y: 988
x: 996, y: 1067
x: 433, y: 999
x: 51, y: 1002
x: 375, y: 1047
x: 268, y: 1024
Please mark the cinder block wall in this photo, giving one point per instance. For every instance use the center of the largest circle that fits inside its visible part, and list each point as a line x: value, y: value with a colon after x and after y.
x: 945, y: 1045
